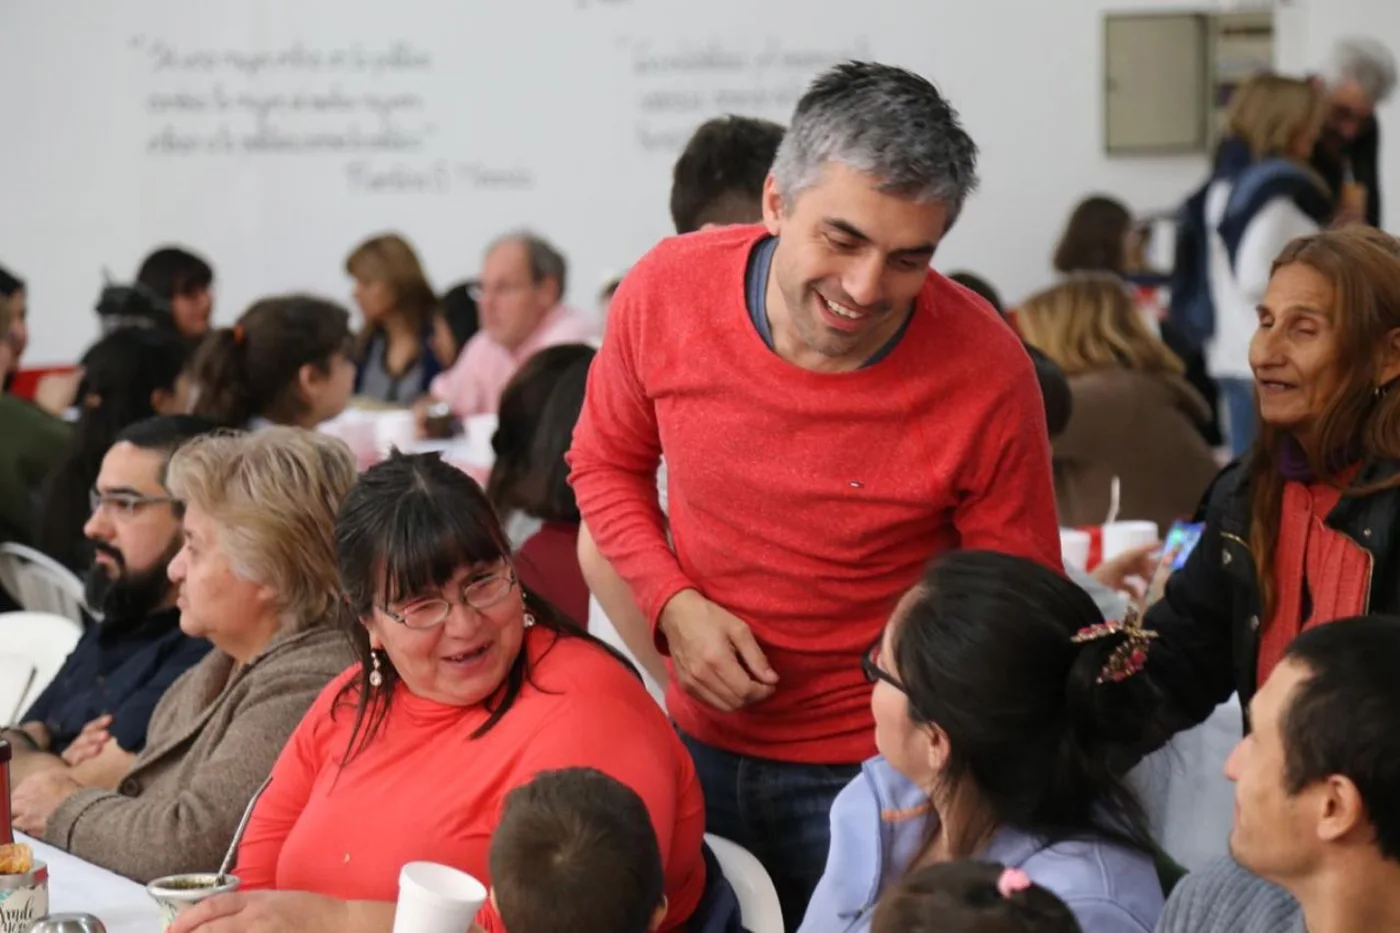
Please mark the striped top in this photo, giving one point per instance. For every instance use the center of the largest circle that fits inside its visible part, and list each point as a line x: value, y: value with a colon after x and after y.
x: 1224, y: 897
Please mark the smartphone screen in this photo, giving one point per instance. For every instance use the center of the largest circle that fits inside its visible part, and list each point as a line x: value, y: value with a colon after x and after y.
x: 1181, y: 540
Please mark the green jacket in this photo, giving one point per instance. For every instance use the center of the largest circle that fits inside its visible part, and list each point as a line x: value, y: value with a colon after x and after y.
x: 31, y: 443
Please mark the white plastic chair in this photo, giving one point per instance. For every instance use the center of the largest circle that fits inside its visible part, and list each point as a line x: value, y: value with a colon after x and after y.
x: 39, y: 583
x: 40, y: 642
x: 759, y: 907
x: 17, y: 676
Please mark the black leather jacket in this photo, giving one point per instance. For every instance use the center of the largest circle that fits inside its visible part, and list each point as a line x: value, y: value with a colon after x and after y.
x: 1208, y: 621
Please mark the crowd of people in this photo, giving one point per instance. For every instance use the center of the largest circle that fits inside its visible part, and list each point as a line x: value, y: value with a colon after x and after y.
x: 804, y: 487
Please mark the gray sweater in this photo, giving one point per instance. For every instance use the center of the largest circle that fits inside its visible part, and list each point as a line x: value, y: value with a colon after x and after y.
x: 1224, y: 898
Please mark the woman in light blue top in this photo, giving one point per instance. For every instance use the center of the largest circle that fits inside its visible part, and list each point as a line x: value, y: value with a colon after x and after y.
x: 1002, y: 703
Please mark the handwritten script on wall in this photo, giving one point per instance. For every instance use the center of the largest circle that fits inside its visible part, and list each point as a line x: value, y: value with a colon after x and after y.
x: 367, y: 104
x: 678, y: 86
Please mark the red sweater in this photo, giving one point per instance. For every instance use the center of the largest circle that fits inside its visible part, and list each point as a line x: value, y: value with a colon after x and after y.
x: 423, y: 790
x: 1334, y: 569
x: 548, y: 564
x: 805, y: 503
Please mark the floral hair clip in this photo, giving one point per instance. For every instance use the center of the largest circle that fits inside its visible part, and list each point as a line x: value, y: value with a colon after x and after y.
x: 1128, y: 658
x: 1012, y: 881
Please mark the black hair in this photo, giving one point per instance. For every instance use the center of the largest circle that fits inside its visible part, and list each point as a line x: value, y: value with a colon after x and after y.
x: 518, y: 418
x: 172, y: 271
x: 1093, y: 238
x: 719, y: 177
x: 1054, y: 391
x: 980, y: 287
x: 407, y: 526
x: 1344, y: 719
x: 120, y: 374
x: 983, y: 650
x: 165, y: 434
x: 136, y: 305
x: 545, y: 490
x: 252, y: 368
x: 458, y: 308
x: 965, y: 897
x: 576, y: 850
x: 9, y: 283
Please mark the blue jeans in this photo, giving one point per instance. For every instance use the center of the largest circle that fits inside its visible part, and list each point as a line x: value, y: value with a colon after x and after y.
x: 778, y: 810
x: 1240, y: 418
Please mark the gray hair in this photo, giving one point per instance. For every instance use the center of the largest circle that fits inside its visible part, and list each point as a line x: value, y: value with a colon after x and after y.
x: 1368, y: 63
x: 881, y: 121
x: 545, y: 261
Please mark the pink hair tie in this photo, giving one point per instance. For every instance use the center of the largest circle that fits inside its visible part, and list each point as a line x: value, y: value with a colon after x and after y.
x: 1012, y: 880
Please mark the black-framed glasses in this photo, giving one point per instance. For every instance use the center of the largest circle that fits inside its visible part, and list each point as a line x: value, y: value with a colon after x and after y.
x: 480, y: 594
x: 870, y: 666
x: 125, y: 504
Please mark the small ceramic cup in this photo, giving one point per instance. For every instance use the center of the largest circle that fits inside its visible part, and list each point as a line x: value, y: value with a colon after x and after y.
x: 24, y: 899
x: 175, y: 894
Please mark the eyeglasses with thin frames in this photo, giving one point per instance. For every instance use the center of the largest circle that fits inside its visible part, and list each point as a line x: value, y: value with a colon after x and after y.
x: 125, y: 504
x: 481, y: 594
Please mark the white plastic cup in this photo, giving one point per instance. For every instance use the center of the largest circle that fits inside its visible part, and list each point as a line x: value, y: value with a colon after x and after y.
x: 394, y: 429
x: 436, y: 899
x: 1074, y: 548
x: 1124, y: 536
x: 479, y: 430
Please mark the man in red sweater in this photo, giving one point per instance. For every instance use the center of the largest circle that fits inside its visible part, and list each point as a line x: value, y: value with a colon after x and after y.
x: 833, y: 415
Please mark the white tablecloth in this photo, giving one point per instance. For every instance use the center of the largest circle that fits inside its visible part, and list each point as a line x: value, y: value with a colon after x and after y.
x: 76, y: 886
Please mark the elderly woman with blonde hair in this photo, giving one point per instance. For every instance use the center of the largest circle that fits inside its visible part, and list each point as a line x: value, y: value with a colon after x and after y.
x: 258, y: 579
x: 1132, y: 414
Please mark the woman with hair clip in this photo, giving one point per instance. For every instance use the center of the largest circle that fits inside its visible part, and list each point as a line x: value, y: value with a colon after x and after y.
x: 1002, y: 702
x: 286, y: 361
x: 1304, y: 530
x: 394, y: 352
x: 1133, y: 415
x: 468, y: 687
x: 127, y: 376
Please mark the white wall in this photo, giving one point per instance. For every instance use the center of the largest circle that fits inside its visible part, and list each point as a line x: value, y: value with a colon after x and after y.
x: 551, y: 97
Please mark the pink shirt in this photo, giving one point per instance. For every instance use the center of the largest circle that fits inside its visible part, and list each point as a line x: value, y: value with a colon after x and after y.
x: 474, y: 384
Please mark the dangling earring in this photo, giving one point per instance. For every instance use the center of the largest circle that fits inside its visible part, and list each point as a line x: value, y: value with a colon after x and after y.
x: 529, y: 616
x: 376, y: 679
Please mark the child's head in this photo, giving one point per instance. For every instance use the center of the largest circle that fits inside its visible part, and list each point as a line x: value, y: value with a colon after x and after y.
x: 970, y: 897
x: 575, y: 851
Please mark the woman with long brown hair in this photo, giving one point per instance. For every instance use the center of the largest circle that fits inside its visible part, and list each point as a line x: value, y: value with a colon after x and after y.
x: 1303, y: 530
x: 394, y: 350
x: 1133, y: 416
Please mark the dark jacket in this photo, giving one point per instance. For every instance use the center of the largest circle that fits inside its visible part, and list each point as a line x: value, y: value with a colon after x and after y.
x: 1208, y: 621
x: 1363, y: 153
x: 420, y: 374
x: 121, y: 668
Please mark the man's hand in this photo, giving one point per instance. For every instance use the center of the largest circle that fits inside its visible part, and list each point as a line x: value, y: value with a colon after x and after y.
x: 89, y: 743
x: 717, y: 659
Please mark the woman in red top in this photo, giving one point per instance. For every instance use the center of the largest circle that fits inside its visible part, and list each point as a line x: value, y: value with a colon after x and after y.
x: 468, y: 688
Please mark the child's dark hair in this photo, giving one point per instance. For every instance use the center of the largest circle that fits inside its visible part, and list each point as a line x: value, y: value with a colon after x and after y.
x: 253, y: 367
x: 575, y: 851
x: 969, y: 897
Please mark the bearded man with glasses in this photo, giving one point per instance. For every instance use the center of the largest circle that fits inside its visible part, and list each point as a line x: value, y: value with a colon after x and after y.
x: 92, y: 718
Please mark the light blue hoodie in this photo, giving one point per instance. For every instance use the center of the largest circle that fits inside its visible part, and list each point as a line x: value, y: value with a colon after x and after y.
x: 878, y: 825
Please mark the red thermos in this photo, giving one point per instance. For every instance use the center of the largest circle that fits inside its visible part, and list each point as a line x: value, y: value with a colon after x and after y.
x: 7, y: 834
